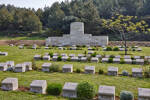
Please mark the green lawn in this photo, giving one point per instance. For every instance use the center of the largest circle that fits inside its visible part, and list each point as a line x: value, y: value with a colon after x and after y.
x: 22, y: 55
x: 21, y: 38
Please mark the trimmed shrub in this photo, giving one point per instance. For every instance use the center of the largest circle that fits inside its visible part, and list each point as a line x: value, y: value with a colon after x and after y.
x: 122, y: 61
x: 125, y: 73
x: 112, y: 56
x: 93, y: 54
x: 109, y: 49
x: 115, y: 49
x: 54, y: 89
x: 85, y: 91
x: 85, y: 52
x: 34, y: 67
x: 68, y: 59
x: 110, y: 60
x: 126, y: 95
x: 84, y: 46
x: 59, y: 58
x: 54, y: 68
x: 133, y: 62
x: 100, y: 71
x: 51, y: 54
x: 78, y: 70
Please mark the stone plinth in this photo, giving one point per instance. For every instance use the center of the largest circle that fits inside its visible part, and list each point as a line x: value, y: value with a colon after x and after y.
x: 55, y: 54
x: 72, y: 55
x: 20, y: 68
x: 67, y: 68
x: 63, y: 54
x: 94, y: 59
x: 38, y: 86
x: 128, y: 61
x: 139, y: 61
x: 10, y: 63
x: 3, y: 67
x: 89, y: 69
x: 9, y: 84
x: 28, y: 66
x: 105, y: 60
x: 143, y: 94
x: 90, y: 52
x: 118, y: 56
x: 137, y: 57
x: 127, y: 57
x: 46, y: 67
x: 77, y: 37
x: 37, y: 57
x: 106, y: 93
x: 65, y: 58
x: 113, y: 71
x: 74, y: 59
x: 54, y: 58
x: 4, y: 53
x: 70, y: 90
x: 116, y: 60
x: 80, y: 55
x: 99, y: 56
x: 46, y: 57
x: 137, y: 72
x: 84, y: 59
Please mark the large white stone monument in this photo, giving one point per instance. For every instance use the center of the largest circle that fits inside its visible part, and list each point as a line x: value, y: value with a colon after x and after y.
x: 77, y: 37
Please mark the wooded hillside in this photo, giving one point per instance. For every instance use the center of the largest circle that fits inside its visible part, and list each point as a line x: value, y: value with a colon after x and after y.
x: 55, y: 20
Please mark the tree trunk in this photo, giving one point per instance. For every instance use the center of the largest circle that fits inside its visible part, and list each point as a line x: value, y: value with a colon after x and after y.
x: 125, y: 44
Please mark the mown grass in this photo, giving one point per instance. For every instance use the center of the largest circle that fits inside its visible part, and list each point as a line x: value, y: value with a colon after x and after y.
x: 21, y: 38
x: 22, y: 55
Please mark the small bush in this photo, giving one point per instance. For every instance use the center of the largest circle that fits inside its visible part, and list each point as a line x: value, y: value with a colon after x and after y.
x: 110, y: 60
x: 109, y: 49
x: 78, y: 70
x: 133, y: 49
x: 125, y: 73
x: 68, y: 59
x: 146, y: 62
x: 147, y: 72
x: 122, y: 61
x: 54, y: 68
x: 34, y: 67
x: 93, y: 54
x: 85, y: 91
x: 51, y: 54
x: 126, y: 95
x: 84, y: 46
x: 54, y: 89
x: 112, y: 56
x: 101, y: 71
x: 133, y: 62
x: 115, y: 49
x: 59, y: 58
x: 85, y: 52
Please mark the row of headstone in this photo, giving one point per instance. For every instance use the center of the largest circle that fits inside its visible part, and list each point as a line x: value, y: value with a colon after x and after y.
x: 127, y: 59
x: 70, y: 89
x: 123, y: 49
x: 112, y: 71
x: 3, y: 53
x: 99, y: 56
x: 10, y: 66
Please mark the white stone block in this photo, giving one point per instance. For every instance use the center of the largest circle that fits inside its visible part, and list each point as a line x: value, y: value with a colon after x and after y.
x: 106, y: 93
x: 67, y: 68
x: 70, y: 90
x: 38, y: 86
x: 90, y: 69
